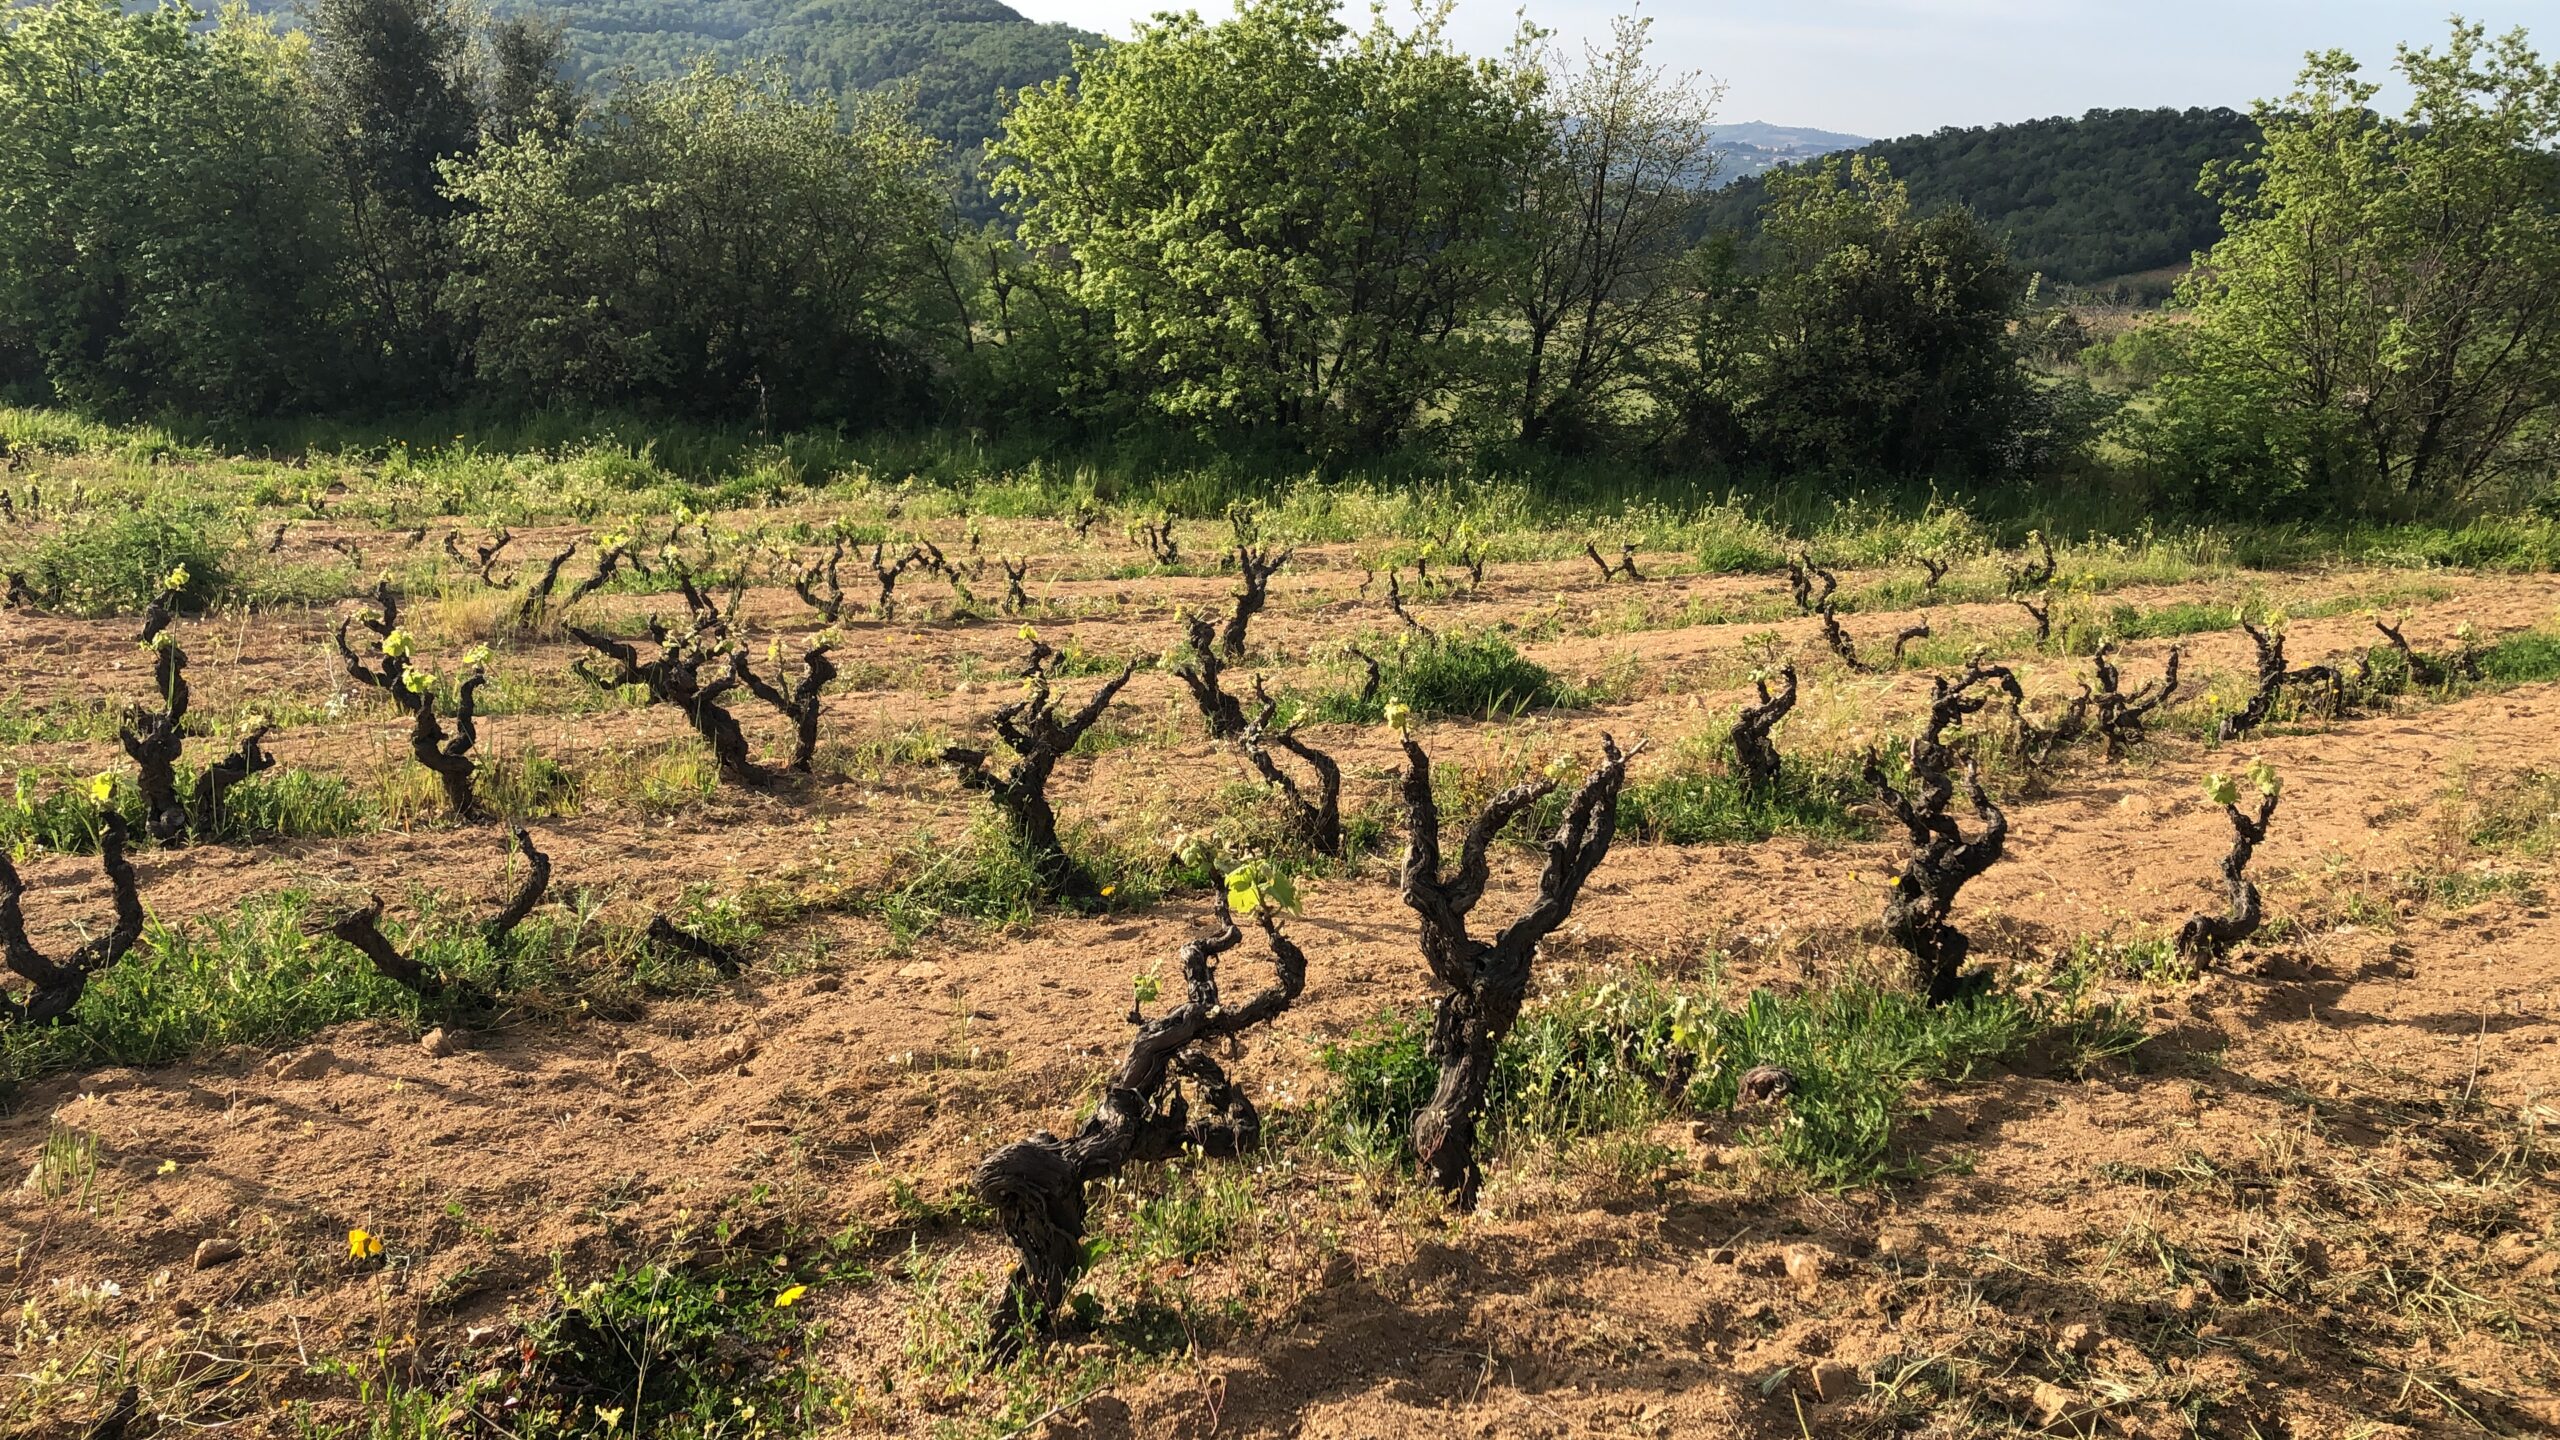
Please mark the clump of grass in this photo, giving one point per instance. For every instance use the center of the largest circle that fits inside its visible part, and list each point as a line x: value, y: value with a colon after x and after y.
x: 874, y: 755
x: 118, y: 560
x: 526, y: 786
x: 1609, y: 1057
x: 1726, y: 541
x: 2522, y: 659
x: 670, y: 1349
x: 2518, y: 813
x: 2515, y: 543
x: 252, y: 978
x: 990, y: 877
x: 287, y: 803
x: 1713, y: 808
x: 2463, y: 887
x: 25, y: 724
x: 61, y: 819
x: 2167, y: 622
x: 259, y: 977
x: 66, y: 1165
x: 2152, y: 959
x: 1472, y: 673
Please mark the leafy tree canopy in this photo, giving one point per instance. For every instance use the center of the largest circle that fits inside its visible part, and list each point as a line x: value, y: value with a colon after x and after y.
x: 2380, y: 329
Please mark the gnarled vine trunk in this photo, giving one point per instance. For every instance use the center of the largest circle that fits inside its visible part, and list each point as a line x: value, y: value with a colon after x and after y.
x: 2207, y: 938
x: 1031, y: 729
x: 1942, y: 858
x: 1483, y: 982
x: 56, y: 986
x: 1037, y: 1186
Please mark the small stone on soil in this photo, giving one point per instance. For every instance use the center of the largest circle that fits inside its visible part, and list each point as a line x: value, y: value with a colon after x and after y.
x: 1762, y: 1084
x: 308, y: 1065
x: 1834, y: 1380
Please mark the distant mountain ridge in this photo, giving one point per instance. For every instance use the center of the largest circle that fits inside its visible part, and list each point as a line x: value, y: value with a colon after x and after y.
x: 1750, y: 147
x: 958, y: 54
x: 2080, y: 199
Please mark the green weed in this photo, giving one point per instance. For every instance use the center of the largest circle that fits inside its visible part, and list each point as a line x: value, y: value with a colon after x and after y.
x: 1698, y: 808
x: 1604, y: 1058
x: 669, y: 1350
x: 116, y: 561
x: 262, y: 977
x: 66, y: 1165
x: 2518, y: 812
x: 1471, y: 673
x: 253, y: 978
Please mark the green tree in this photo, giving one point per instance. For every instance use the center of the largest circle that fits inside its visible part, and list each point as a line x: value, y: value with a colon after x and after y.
x: 528, y: 87
x: 2379, y: 330
x: 397, y: 88
x: 1865, y: 338
x: 1289, y: 227
x: 166, y: 238
x: 1604, y: 213
x: 710, y: 243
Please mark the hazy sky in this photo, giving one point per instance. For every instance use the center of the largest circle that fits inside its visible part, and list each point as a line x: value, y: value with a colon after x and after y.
x: 1892, y: 67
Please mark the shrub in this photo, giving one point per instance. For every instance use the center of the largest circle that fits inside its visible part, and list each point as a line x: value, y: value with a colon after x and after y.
x: 118, y: 561
x: 1476, y: 673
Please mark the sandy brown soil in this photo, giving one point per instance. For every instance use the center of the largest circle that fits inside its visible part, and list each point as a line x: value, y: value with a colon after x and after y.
x: 2319, y: 1200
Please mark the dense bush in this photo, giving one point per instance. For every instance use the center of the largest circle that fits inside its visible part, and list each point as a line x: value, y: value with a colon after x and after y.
x: 1859, y: 335
x: 167, y: 237
x: 1271, y: 239
x: 707, y: 243
x: 1276, y: 223
x: 116, y: 561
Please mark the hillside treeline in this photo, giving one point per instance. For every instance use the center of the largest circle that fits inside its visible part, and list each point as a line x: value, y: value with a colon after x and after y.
x: 952, y: 58
x: 1272, y: 231
x: 2081, y: 200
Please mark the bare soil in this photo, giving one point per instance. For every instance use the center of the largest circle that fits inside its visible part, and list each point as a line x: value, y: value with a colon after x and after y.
x: 2319, y: 1200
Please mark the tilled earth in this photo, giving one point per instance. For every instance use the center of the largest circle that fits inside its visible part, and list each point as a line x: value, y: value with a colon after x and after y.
x: 2318, y: 1200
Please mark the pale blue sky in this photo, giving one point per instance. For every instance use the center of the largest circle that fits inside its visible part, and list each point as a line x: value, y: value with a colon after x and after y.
x: 1891, y: 67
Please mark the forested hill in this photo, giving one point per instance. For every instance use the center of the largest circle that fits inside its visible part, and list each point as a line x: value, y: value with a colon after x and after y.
x: 2107, y: 194
x: 1747, y: 148
x: 957, y: 53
